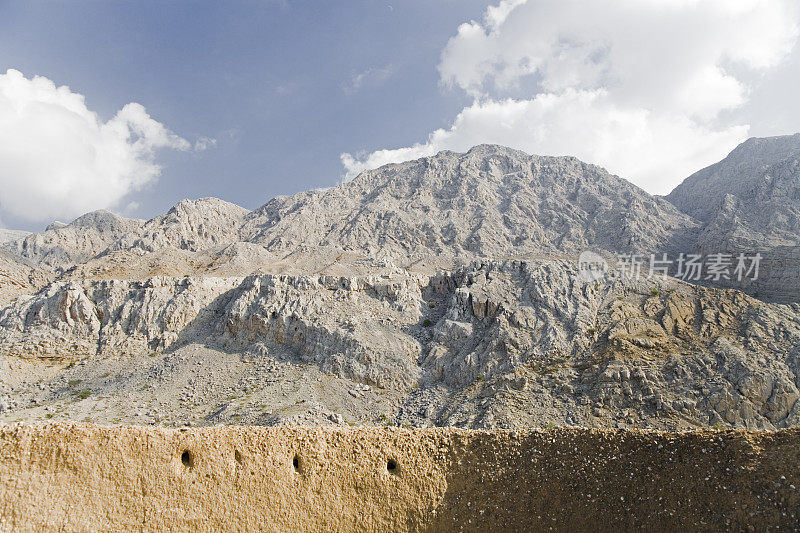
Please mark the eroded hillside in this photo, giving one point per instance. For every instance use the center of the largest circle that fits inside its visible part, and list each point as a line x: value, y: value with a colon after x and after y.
x: 442, y: 291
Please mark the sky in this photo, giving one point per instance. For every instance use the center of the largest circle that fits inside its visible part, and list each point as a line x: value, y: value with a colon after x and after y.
x: 133, y: 106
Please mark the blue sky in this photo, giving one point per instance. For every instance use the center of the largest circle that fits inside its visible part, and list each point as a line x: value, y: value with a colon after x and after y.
x: 274, y: 83
x: 652, y: 90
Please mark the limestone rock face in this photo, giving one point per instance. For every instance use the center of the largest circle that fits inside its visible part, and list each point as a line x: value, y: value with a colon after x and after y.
x: 18, y: 278
x: 66, y: 245
x: 70, y: 320
x: 489, y: 202
x: 750, y: 202
x: 491, y: 344
x: 442, y: 291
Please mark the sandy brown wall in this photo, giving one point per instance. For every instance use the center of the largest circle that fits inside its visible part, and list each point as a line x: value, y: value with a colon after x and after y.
x: 85, y: 478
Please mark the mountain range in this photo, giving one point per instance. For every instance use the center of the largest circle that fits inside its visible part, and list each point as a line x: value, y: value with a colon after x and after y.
x: 441, y: 291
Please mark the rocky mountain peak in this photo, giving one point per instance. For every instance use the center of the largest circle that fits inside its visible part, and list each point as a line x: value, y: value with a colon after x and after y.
x: 102, y: 221
x: 752, y: 169
x: 63, y: 245
x: 491, y: 201
x: 10, y: 235
x: 194, y: 225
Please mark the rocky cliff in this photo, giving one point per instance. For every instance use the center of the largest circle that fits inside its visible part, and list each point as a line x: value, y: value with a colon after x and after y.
x: 442, y: 291
x: 750, y: 203
x: 493, y: 344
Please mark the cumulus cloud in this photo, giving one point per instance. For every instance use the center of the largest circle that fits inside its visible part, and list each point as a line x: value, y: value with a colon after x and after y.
x: 641, y: 87
x: 59, y: 160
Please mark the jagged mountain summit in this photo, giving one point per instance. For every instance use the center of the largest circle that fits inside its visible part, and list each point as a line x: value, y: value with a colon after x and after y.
x: 749, y: 199
x: 489, y: 202
x: 10, y: 235
x: 193, y: 225
x: 64, y: 245
x: 750, y: 203
x: 446, y: 210
x: 436, y: 212
x: 759, y: 170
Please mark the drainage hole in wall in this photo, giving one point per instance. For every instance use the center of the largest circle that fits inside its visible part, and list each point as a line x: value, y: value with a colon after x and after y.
x: 237, y: 456
x: 296, y: 462
x: 391, y: 466
x: 187, y: 459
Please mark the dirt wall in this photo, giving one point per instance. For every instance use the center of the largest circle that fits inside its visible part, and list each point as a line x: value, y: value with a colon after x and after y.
x: 86, y: 478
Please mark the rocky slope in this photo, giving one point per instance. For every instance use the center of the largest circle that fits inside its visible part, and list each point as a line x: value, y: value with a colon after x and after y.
x: 750, y: 202
x: 10, y: 235
x: 442, y: 291
x: 495, y: 344
x: 490, y: 202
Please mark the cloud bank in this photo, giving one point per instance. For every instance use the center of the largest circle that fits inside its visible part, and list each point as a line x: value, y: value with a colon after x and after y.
x: 642, y: 87
x: 58, y: 160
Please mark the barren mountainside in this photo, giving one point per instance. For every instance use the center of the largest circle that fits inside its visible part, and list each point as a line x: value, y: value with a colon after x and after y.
x: 442, y: 291
x: 490, y: 202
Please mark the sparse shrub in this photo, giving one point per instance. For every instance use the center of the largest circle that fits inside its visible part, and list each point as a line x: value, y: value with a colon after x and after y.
x: 49, y: 416
x: 431, y: 304
x: 481, y: 377
x: 83, y: 394
x: 427, y: 323
x: 591, y: 331
x: 74, y: 383
x: 655, y: 292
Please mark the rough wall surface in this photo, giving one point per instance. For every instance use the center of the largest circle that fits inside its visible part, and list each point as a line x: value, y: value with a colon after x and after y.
x: 93, y: 478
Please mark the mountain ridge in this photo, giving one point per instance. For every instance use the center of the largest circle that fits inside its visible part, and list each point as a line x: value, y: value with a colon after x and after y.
x: 441, y: 291
x: 445, y: 210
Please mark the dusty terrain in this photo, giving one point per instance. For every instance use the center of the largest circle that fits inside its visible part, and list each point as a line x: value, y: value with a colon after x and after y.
x: 493, y: 345
x: 438, y: 292
x: 83, y: 477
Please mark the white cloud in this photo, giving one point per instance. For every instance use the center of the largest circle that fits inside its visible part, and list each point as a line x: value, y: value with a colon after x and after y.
x: 204, y: 143
x: 638, y: 86
x: 58, y: 160
x: 372, y: 76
